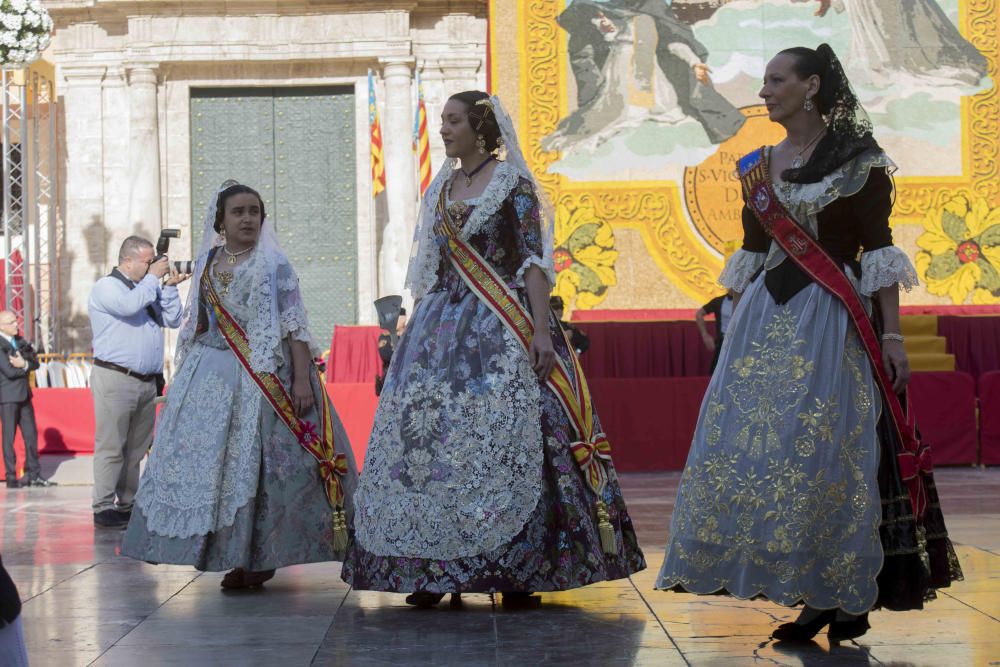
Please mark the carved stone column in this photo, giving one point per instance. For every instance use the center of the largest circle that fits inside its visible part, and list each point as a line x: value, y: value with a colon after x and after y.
x: 144, y: 152
x: 400, y: 173
x: 86, y: 242
x: 460, y: 74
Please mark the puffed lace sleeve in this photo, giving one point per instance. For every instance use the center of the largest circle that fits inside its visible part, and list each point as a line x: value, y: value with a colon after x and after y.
x: 885, y: 267
x: 291, y: 311
x: 529, y: 233
x: 740, y: 269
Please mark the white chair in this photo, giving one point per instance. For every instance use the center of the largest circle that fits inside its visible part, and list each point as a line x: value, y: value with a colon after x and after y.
x: 74, y: 376
x: 57, y: 374
x: 42, y: 375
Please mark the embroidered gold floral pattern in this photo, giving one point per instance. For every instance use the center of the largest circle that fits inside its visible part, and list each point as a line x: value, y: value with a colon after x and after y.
x: 779, y: 496
x: 769, y: 384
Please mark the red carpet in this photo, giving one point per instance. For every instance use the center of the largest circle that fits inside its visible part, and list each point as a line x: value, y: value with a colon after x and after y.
x: 647, y: 378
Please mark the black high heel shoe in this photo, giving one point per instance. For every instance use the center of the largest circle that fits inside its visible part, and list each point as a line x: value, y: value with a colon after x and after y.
x: 521, y: 600
x: 841, y: 631
x: 804, y: 632
x: 423, y: 599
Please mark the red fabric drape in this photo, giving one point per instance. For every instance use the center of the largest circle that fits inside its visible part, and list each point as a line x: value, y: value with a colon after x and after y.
x: 355, y: 404
x: 645, y: 350
x: 650, y: 422
x: 974, y: 340
x: 353, y: 355
x: 944, y: 405
x: 989, y: 417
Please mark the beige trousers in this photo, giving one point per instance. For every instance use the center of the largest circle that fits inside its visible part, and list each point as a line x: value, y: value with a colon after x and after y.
x: 124, y: 413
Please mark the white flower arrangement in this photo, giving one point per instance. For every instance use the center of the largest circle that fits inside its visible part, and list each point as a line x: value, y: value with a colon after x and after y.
x: 25, y: 31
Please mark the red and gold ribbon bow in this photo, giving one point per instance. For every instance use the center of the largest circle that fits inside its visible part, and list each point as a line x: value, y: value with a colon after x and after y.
x: 588, y: 457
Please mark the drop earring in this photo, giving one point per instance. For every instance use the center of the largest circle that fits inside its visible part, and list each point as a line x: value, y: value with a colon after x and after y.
x: 809, y: 106
x: 481, y: 144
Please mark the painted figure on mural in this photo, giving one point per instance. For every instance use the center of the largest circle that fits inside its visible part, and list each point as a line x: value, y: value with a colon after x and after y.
x: 486, y: 470
x: 909, y: 37
x: 794, y: 485
x: 250, y: 469
x: 634, y: 62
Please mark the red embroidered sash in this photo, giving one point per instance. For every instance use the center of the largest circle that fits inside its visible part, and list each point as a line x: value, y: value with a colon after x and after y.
x: 592, y: 451
x: 320, y: 444
x: 914, y: 457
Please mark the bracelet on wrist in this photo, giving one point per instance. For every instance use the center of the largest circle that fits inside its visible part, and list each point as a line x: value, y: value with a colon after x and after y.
x: 893, y: 336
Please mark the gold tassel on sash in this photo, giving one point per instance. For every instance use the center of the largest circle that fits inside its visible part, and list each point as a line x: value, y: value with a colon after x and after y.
x: 339, y: 531
x: 608, y: 541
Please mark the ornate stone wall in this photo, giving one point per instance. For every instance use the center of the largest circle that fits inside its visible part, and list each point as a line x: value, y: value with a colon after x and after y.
x: 125, y: 72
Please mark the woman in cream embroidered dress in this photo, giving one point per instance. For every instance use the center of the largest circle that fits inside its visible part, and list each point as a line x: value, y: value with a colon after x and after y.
x: 469, y: 482
x: 781, y: 493
x: 227, y: 485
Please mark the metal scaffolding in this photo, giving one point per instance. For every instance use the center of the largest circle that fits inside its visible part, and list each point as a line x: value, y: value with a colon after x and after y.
x: 30, y: 243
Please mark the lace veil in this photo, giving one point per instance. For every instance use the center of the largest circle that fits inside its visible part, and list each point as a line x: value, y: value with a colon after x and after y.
x: 849, y: 132
x: 273, y: 280
x: 425, y: 254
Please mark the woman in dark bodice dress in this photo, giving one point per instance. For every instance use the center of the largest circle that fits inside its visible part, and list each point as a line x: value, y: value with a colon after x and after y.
x: 470, y: 484
x: 792, y: 489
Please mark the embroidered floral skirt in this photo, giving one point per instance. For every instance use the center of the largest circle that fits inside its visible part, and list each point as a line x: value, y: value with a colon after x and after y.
x: 469, y: 483
x: 789, y: 491
x: 280, y: 516
x: 558, y: 549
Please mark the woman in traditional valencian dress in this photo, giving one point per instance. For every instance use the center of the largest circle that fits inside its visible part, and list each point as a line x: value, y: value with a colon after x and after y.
x: 486, y: 470
x: 250, y: 469
x: 804, y: 483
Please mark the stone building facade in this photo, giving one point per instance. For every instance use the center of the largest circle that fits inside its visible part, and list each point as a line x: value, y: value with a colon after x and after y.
x: 281, y: 87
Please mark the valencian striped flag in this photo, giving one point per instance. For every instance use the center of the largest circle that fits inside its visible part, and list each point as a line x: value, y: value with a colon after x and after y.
x: 421, y: 142
x: 378, y: 163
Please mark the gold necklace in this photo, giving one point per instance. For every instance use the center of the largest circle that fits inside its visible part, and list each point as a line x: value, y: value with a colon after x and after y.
x: 797, y: 161
x: 226, y: 279
x: 231, y: 256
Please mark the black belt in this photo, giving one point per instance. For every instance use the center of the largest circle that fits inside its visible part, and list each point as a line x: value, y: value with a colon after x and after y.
x: 142, y: 377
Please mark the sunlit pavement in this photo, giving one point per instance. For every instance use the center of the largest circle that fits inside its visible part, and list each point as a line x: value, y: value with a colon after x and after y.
x: 85, y: 604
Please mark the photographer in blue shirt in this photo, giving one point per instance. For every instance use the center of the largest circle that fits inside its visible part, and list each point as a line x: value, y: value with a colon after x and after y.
x: 128, y: 310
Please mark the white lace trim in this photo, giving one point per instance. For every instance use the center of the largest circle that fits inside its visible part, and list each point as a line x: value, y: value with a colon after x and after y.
x: 472, y: 458
x: 805, y: 201
x: 886, y: 267
x: 425, y: 256
x: 504, y: 180
x: 740, y: 268
x: 195, y: 435
x: 535, y: 260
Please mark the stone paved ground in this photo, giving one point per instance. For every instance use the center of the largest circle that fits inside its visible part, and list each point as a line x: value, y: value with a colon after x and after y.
x: 86, y: 605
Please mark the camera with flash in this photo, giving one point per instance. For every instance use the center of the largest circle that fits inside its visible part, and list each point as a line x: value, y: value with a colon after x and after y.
x: 163, y: 244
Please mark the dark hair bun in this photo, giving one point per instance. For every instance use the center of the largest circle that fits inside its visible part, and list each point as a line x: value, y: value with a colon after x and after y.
x: 481, y: 117
x: 220, y: 203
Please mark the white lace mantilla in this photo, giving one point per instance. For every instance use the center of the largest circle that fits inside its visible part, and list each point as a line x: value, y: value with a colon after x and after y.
x: 273, y: 308
x: 740, y: 268
x: 885, y: 267
x: 423, y: 268
x: 453, y: 474
x: 210, y: 425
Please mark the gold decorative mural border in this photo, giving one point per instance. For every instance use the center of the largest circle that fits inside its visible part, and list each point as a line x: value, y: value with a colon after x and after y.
x: 655, y: 208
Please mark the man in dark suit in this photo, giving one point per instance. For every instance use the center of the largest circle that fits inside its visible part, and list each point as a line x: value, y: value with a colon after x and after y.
x: 17, y: 360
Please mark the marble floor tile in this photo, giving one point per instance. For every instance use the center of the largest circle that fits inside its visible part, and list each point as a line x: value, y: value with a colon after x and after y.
x: 85, y: 604
x: 285, y: 655
x: 243, y: 631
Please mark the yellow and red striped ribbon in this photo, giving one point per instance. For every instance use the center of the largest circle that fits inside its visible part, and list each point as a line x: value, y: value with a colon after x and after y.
x: 592, y: 451
x: 332, y: 466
